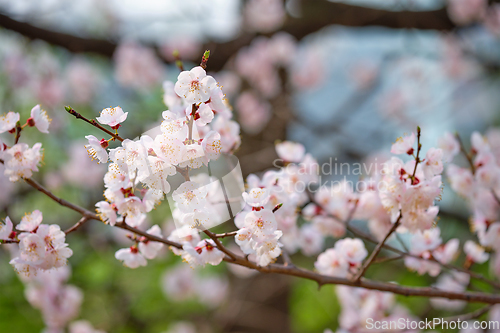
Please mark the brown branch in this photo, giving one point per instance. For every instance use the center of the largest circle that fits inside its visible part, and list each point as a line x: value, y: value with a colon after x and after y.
x: 417, y: 158
x: 18, y: 132
x: 125, y: 226
x: 466, y: 154
x: 477, y: 276
x: 315, y: 15
x: 226, y: 234
x: 77, y: 225
x: 84, y: 212
x: 377, y: 250
x: 291, y: 270
x: 472, y: 315
x: 220, y: 246
x: 93, y: 123
x: 9, y: 241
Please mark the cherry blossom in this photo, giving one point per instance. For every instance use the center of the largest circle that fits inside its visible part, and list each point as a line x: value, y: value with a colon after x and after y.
x: 31, y: 221
x: 8, y: 122
x: 332, y: 263
x: 257, y: 197
x: 97, y: 149
x: 131, y: 257
x: 264, y: 15
x: 6, y: 229
x: 149, y: 249
x: 190, y: 196
x: 352, y: 250
x: 21, y: 161
x: 112, y: 117
x: 106, y: 212
x: 404, y: 145
x: 475, y: 252
x: 39, y: 118
x: 194, y: 85
x: 290, y: 151
x: 449, y: 145
x: 205, y: 252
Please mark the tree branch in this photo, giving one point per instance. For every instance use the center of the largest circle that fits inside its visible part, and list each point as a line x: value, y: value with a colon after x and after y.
x: 377, y: 249
x: 292, y: 270
x: 316, y: 14
x: 77, y: 225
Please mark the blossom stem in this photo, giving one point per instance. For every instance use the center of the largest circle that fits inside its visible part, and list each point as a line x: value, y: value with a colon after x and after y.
x: 77, y: 225
x: 220, y: 246
x: 18, y: 132
x: 417, y: 159
x: 467, y: 156
x: 93, y: 123
x: 295, y: 271
x: 226, y: 234
x: 378, y: 248
x: 471, y: 315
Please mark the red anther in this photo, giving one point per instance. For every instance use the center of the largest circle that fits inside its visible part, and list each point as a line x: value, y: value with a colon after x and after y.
x: 30, y: 122
x: 104, y: 143
x: 127, y: 192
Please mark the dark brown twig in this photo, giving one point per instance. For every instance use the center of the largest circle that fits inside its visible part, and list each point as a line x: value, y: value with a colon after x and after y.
x: 93, y: 123
x: 376, y: 251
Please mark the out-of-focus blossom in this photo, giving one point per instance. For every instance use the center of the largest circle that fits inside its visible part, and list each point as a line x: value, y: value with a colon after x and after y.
x: 40, y: 119
x: 253, y: 113
x: 264, y: 15
x: 137, y: 66
x: 83, y: 80
x: 187, y: 47
x: 464, y: 12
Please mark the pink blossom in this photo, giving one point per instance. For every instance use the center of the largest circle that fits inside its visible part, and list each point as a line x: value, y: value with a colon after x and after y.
x: 404, y: 145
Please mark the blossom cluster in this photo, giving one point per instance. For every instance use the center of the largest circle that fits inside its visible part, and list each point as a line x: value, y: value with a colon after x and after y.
x: 19, y: 159
x: 41, y: 246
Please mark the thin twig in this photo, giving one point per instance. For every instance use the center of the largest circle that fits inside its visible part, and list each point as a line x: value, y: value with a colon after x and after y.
x: 387, y: 259
x: 77, y: 225
x: 287, y: 261
x: 220, y: 246
x: 471, y: 315
x: 401, y: 242
x: 93, y: 123
x: 226, y: 234
x: 18, y: 132
x: 477, y: 276
x: 377, y: 249
x: 497, y: 199
x: 9, y: 241
x: 294, y: 271
x: 466, y: 154
x: 417, y: 158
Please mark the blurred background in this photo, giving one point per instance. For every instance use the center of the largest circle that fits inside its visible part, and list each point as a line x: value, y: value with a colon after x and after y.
x: 345, y: 78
